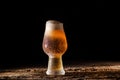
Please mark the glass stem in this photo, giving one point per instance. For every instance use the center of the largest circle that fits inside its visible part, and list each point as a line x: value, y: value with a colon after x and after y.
x: 55, y: 66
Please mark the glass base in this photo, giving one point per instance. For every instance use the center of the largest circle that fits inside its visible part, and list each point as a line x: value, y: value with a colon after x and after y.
x: 57, y: 72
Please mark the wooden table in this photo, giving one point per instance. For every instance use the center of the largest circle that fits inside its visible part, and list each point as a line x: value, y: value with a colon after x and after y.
x: 83, y: 71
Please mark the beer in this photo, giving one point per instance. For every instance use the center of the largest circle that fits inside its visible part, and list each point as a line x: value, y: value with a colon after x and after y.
x: 54, y: 45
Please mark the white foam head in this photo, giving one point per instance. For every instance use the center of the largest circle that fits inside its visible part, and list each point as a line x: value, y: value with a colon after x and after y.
x: 54, y: 25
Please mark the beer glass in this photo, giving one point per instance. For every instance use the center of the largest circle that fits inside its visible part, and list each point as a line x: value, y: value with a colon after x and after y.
x: 54, y: 45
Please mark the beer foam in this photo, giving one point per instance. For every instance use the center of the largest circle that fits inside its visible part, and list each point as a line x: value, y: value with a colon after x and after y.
x: 53, y: 25
x: 53, y: 21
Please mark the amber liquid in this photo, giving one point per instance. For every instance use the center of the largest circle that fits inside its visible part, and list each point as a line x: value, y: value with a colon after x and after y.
x: 55, y: 43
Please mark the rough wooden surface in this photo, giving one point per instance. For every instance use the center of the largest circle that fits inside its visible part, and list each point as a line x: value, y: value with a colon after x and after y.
x: 92, y: 71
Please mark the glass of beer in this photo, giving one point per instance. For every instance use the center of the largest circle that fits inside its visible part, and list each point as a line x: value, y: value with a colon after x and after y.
x: 54, y: 45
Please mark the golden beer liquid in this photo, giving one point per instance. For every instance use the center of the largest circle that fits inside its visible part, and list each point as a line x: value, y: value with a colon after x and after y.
x: 55, y: 43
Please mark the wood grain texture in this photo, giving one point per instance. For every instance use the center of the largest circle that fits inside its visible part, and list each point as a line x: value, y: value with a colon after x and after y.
x: 91, y: 71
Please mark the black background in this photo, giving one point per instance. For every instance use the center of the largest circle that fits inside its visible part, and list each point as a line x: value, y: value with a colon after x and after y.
x: 88, y: 32
x: 99, y: 3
